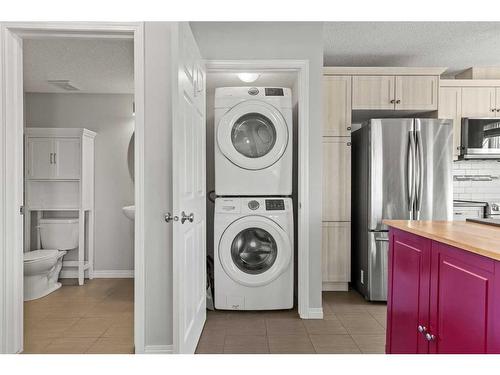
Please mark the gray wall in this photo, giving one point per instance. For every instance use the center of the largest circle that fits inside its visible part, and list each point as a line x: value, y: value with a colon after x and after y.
x: 281, y: 40
x: 110, y: 115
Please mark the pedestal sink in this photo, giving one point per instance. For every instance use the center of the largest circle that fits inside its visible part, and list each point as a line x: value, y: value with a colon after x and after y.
x: 129, y: 211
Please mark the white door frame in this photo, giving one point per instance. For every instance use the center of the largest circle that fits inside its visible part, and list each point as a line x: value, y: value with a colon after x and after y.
x: 301, y: 68
x: 11, y: 167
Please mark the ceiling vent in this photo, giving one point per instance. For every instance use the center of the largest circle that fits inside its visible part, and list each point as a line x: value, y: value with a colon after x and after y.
x: 64, y: 84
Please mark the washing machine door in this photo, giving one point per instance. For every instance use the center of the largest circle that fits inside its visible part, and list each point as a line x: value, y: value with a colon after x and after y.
x: 254, y: 251
x: 253, y: 135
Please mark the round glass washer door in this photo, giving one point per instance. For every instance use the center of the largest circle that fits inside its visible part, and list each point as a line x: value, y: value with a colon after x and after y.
x: 254, y: 250
x: 253, y: 135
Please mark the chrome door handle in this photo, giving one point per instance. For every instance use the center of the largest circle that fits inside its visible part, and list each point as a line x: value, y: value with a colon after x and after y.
x: 51, y: 157
x: 168, y: 217
x: 185, y: 217
x: 410, y: 172
x: 420, y: 172
x: 422, y: 329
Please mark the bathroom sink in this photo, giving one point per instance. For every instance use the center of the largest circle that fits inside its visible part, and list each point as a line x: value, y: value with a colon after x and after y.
x: 129, y: 211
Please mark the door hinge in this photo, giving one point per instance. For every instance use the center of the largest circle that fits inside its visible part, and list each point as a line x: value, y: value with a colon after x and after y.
x: 21, y: 210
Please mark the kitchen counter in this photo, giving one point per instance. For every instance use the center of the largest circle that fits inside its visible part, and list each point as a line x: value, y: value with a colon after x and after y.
x: 476, y: 238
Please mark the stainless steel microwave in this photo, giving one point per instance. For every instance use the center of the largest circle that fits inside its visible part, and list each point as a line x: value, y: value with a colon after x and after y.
x: 480, y: 138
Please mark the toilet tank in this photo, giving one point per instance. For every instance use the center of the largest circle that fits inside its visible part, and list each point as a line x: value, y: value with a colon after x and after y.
x: 59, y: 234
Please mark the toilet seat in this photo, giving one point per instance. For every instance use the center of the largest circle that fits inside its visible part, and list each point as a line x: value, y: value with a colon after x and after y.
x: 36, y: 255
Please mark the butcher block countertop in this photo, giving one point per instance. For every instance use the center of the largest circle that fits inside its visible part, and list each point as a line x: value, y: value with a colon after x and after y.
x: 476, y: 238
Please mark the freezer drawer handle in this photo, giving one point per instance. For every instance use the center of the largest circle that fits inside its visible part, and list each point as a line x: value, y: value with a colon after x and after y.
x: 382, y: 239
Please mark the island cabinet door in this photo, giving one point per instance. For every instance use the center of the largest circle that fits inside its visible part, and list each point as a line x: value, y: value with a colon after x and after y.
x: 408, y: 293
x: 463, y: 319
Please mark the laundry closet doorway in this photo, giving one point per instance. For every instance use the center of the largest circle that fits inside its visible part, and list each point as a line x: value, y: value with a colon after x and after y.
x: 273, y: 73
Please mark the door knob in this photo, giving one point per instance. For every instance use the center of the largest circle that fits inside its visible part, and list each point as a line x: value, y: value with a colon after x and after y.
x: 168, y: 217
x: 393, y: 101
x: 185, y: 217
x: 492, y: 109
x: 398, y: 101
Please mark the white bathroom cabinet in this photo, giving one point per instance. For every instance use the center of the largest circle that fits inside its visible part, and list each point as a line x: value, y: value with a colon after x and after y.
x: 59, y: 177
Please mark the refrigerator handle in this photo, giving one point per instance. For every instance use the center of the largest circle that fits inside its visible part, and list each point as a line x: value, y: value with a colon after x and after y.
x: 419, y: 173
x: 410, y: 173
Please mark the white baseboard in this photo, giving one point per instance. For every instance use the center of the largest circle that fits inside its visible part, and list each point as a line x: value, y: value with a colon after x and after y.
x: 98, y: 274
x: 314, y: 313
x: 114, y: 274
x: 335, y: 286
x: 158, y: 349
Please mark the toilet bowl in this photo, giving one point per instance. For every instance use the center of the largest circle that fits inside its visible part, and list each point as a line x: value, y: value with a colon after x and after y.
x: 42, y: 267
x: 41, y: 272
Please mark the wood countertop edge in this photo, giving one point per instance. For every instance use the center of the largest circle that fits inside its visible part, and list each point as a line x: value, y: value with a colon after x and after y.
x: 485, y: 250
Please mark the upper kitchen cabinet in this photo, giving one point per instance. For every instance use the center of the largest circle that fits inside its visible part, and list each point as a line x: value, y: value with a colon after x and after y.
x: 450, y: 107
x: 373, y: 92
x: 478, y: 102
x: 406, y: 89
x: 416, y: 93
x: 337, y: 106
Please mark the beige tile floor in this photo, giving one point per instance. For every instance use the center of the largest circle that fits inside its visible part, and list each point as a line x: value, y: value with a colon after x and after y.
x: 350, y: 325
x: 94, y: 318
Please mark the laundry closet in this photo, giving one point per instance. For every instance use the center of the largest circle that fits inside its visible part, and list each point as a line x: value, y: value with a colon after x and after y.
x: 251, y: 181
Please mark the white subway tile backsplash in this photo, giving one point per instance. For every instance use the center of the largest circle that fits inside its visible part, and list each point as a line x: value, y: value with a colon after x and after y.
x: 477, y: 180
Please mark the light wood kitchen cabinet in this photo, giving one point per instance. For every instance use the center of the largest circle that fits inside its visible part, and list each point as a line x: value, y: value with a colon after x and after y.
x: 337, y: 106
x: 450, y: 107
x: 405, y: 92
x: 373, y: 92
x: 416, y: 93
x: 336, y: 179
x: 336, y: 255
x: 478, y: 101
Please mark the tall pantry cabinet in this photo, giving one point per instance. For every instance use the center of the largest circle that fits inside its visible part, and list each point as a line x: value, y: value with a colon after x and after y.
x: 336, y: 225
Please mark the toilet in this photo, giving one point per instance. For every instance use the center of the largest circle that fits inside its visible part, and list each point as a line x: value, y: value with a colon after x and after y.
x: 42, y: 267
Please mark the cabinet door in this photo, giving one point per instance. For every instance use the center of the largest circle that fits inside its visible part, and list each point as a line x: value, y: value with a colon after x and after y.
x: 337, y: 106
x: 461, y: 304
x: 419, y: 93
x: 67, y: 158
x: 478, y: 101
x: 408, y: 294
x: 336, y: 179
x: 336, y: 252
x: 450, y: 107
x: 40, y: 158
x: 373, y: 92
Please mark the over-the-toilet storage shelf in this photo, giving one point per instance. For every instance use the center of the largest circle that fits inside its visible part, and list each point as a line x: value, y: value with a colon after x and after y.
x: 59, y: 176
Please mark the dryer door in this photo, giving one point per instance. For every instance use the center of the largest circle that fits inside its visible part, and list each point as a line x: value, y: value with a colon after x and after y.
x: 253, y: 135
x: 254, y: 250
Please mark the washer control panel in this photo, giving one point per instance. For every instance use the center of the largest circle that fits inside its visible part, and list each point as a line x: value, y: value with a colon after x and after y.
x: 275, y: 205
x: 253, y: 205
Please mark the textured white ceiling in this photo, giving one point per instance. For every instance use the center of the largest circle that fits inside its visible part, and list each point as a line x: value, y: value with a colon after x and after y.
x: 93, y: 65
x: 457, y: 45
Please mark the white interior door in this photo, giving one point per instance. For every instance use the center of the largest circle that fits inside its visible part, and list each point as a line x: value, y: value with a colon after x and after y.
x: 188, y: 157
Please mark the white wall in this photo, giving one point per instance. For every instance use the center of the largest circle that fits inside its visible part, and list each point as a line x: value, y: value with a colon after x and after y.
x: 281, y: 40
x: 110, y: 115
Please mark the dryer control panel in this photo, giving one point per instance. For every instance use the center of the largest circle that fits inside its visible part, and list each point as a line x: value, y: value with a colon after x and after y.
x: 275, y: 205
x: 253, y: 205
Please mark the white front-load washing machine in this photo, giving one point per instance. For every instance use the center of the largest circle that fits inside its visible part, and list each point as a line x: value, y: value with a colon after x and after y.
x: 253, y: 141
x: 253, y: 253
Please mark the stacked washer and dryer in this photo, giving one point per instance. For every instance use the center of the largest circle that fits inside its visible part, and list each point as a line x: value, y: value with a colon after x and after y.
x: 253, y: 224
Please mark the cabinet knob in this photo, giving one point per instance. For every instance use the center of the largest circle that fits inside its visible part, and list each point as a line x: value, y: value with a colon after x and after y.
x: 348, y: 143
x: 498, y: 110
x: 493, y: 110
x: 349, y: 128
x: 430, y: 337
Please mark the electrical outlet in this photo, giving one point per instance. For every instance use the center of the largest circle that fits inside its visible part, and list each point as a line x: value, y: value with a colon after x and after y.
x: 362, y: 277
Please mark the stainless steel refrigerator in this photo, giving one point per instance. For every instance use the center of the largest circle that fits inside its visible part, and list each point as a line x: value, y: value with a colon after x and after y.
x: 401, y: 169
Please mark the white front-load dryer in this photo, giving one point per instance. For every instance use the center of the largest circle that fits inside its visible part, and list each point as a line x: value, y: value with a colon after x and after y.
x: 253, y: 253
x: 253, y: 141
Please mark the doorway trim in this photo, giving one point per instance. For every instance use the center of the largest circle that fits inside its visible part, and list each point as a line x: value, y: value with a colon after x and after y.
x: 301, y: 67
x: 11, y: 166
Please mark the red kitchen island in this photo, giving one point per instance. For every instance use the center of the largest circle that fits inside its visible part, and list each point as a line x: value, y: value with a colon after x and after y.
x: 443, y: 288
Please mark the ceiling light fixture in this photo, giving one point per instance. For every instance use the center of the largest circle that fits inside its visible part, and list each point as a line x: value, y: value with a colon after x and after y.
x: 248, y: 77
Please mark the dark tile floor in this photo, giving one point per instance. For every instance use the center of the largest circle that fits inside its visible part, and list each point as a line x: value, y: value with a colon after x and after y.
x: 350, y: 325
